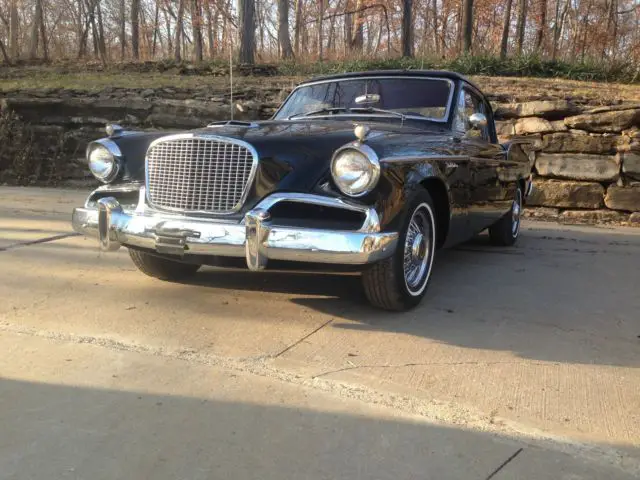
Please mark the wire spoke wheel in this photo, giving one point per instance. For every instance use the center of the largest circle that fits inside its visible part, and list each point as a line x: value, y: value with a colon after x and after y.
x: 418, y: 249
x: 516, y: 214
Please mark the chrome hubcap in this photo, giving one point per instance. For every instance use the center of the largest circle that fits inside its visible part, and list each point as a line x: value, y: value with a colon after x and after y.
x: 417, y: 249
x: 516, y: 212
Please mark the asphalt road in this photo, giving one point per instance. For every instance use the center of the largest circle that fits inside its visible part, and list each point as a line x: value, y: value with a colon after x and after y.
x: 109, y: 374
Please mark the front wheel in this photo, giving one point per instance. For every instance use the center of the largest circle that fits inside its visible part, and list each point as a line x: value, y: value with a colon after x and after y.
x: 399, y: 282
x: 505, y: 231
x: 162, y: 268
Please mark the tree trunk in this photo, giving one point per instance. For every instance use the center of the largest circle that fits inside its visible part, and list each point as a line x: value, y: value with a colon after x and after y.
x: 434, y: 15
x: 14, y: 50
x: 210, y: 22
x: 5, y: 55
x: 102, y: 46
x: 196, y: 26
x: 557, y: 26
x: 505, y: 29
x: 520, y: 27
x: 407, y: 28
x: 43, y: 35
x: 167, y: 22
x: 247, y: 13
x: 298, y: 27
x: 123, y: 29
x: 179, y: 26
x: 542, y: 26
x: 283, y: 29
x: 320, y: 35
x: 35, y: 28
x: 467, y: 25
x: 156, y: 27
x: 135, y: 29
x: 357, y: 37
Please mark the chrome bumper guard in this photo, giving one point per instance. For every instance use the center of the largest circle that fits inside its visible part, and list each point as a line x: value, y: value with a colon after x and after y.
x: 256, y: 238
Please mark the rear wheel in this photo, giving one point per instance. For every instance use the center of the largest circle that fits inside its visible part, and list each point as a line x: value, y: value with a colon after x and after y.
x: 400, y: 281
x: 162, y: 268
x: 505, y: 231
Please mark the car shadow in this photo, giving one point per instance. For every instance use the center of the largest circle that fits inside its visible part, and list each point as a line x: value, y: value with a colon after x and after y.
x: 560, y: 295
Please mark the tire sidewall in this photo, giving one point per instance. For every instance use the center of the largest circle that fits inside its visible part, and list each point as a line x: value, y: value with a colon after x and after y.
x: 419, y: 199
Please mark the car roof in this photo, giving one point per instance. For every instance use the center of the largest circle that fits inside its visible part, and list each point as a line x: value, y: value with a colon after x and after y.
x: 395, y: 73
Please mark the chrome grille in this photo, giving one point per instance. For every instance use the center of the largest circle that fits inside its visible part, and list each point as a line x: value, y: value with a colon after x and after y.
x: 199, y: 173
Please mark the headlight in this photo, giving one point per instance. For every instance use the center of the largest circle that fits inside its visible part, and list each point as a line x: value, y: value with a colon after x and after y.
x: 104, y: 160
x: 355, y: 170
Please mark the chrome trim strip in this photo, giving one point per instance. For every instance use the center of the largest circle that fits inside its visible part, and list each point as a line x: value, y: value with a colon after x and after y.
x: 445, y: 118
x: 213, y: 138
x: 418, y: 158
x: 367, y: 151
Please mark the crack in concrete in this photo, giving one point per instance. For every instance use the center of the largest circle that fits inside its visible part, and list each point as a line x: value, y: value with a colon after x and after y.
x: 504, y: 464
x: 430, y: 364
x: 40, y: 240
x: 298, y: 342
x: 434, y: 411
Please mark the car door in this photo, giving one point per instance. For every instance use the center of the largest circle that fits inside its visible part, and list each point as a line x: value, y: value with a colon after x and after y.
x: 486, y: 160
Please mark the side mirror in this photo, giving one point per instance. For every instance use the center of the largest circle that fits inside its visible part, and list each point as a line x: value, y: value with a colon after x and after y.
x: 478, y: 121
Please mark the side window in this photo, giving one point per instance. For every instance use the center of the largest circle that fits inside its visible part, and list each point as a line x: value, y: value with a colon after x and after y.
x: 468, y: 104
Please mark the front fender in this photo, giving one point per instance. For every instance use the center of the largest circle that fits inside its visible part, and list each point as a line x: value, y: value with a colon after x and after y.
x: 399, y: 181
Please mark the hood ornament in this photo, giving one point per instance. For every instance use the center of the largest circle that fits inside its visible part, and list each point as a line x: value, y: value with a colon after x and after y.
x: 361, y: 132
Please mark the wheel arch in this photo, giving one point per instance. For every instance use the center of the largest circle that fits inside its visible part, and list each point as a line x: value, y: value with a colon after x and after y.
x: 440, y: 196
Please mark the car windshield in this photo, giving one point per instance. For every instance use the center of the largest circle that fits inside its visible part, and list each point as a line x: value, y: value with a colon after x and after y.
x: 420, y: 98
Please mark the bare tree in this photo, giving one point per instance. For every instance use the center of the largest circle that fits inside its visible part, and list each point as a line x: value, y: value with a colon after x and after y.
x: 467, y: 25
x: 505, y: 29
x: 520, y: 26
x: 283, y: 29
x: 135, y: 29
x: 407, y: 28
x: 122, y: 32
x: 247, y: 12
x: 35, y: 30
x: 14, y: 49
x: 357, y: 35
x: 542, y: 24
x: 196, y: 26
x: 298, y: 27
x: 212, y: 23
x: 179, y: 28
x: 5, y: 55
x: 320, y: 35
x: 558, y: 26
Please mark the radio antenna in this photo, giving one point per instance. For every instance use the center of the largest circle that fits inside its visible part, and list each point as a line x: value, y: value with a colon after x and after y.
x: 231, y: 76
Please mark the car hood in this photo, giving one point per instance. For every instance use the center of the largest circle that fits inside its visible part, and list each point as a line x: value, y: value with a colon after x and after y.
x: 295, y: 155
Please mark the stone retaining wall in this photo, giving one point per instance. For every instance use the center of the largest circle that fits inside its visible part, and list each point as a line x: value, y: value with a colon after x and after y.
x: 586, y: 157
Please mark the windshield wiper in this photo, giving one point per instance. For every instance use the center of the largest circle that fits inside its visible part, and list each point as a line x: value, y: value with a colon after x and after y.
x: 379, y: 110
x: 318, y: 112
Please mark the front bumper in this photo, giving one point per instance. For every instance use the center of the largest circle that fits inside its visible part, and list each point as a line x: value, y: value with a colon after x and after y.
x: 256, y: 237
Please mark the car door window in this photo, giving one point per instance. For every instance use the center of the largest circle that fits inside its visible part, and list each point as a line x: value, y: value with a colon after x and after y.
x: 468, y: 104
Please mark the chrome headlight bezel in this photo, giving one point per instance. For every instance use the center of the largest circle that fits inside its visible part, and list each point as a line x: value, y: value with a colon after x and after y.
x: 372, y: 163
x: 114, y: 155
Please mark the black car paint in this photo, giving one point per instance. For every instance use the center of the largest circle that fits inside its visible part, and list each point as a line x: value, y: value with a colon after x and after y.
x: 478, y: 178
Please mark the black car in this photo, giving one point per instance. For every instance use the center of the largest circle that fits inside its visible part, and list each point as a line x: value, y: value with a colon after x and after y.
x: 372, y: 169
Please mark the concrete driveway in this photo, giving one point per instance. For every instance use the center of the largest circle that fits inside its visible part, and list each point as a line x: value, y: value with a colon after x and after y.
x: 534, y: 347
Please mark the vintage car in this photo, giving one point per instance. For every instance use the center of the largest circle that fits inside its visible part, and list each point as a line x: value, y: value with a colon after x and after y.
x: 373, y: 170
